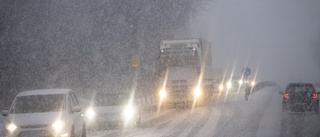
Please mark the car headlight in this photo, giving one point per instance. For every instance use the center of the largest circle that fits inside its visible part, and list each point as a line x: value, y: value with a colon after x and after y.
x: 11, y: 127
x: 253, y: 83
x: 162, y: 94
x: 128, y: 112
x: 240, y: 82
x: 221, y: 87
x: 229, y: 84
x: 90, y: 114
x: 58, y: 126
x: 197, y: 92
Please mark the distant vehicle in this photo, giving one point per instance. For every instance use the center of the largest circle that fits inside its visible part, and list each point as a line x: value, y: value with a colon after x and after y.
x: 235, y: 84
x: 185, y: 72
x: 109, y: 109
x: 300, y: 97
x: 45, y: 112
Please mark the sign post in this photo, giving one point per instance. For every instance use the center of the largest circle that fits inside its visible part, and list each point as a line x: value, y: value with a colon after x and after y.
x: 246, y: 72
x: 135, y: 62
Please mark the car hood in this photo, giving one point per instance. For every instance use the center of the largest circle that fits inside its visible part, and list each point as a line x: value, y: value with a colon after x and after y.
x: 109, y: 109
x: 29, y: 119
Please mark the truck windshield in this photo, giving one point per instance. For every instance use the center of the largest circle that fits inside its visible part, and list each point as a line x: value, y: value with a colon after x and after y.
x: 38, y: 103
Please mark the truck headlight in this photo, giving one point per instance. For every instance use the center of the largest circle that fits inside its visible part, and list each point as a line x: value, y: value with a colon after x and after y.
x: 197, y: 92
x: 11, y: 127
x: 162, y: 94
x: 90, y: 113
x: 58, y: 126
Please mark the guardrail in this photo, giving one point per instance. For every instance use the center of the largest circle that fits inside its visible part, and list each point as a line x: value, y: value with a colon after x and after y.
x: 263, y: 84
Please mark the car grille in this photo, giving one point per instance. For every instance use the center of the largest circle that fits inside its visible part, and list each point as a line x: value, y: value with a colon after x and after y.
x: 38, y: 133
x: 34, y: 126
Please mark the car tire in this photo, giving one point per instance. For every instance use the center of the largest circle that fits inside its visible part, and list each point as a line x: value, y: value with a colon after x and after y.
x: 285, y: 107
x: 316, y: 108
x: 138, y: 122
x: 84, y: 131
x: 72, y: 132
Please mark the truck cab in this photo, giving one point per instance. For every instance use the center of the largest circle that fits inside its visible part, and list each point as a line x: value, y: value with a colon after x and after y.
x: 183, y: 72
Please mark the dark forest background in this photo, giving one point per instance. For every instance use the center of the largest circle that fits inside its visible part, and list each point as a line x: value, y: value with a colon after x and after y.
x: 85, y: 45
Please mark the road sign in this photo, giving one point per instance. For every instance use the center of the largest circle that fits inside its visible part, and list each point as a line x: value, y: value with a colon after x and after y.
x: 135, y: 62
x: 246, y: 71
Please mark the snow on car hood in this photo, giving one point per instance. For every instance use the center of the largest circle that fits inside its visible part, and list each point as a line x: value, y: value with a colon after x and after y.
x: 34, y: 118
x: 108, y: 109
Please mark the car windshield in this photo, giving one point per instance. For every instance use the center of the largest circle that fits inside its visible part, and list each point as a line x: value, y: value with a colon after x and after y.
x: 110, y: 99
x: 38, y: 103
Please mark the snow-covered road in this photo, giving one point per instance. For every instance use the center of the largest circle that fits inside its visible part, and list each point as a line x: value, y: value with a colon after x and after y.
x: 229, y: 116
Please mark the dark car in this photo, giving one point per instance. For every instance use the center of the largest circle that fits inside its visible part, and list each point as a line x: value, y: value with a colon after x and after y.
x: 300, y: 97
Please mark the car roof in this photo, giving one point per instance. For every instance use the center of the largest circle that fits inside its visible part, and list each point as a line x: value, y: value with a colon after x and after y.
x: 44, y: 92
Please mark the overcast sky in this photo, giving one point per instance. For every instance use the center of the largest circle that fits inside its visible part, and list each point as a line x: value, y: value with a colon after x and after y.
x: 276, y: 35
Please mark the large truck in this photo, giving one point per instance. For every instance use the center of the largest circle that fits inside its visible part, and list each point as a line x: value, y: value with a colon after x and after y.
x: 185, y: 72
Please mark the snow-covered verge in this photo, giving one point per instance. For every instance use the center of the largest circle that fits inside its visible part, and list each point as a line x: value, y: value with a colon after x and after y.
x: 2, y: 119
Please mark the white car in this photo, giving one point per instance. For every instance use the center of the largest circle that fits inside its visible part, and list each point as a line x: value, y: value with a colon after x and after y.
x: 45, y: 113
x: 109, y: 109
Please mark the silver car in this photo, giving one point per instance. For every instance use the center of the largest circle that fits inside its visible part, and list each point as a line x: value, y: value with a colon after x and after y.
x: 45, y: 113
x: 109, y: 109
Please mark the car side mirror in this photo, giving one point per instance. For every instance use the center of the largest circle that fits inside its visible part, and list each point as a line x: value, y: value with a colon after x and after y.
x: 76, y: 109
x: 280, y: 92
x: 5, y: 113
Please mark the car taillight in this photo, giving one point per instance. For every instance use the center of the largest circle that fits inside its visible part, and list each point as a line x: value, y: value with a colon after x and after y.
x: 286, y: 95
x: 315, y: 95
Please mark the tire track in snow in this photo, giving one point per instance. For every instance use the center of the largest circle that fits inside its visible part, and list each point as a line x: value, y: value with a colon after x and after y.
x: 184, y: 124
x: 206, y: 123
x: 242, y: 118
x: 162, y: 128
x: 226, y: 120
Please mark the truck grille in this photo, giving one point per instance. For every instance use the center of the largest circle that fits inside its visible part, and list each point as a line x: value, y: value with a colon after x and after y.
x: 179, y: 86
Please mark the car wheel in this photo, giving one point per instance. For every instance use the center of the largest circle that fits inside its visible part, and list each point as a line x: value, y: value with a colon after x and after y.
x: 284, y: 107
x: 84, y: 131
x: 316, y: 108
x: 72, y: 132
x: 138, y: 122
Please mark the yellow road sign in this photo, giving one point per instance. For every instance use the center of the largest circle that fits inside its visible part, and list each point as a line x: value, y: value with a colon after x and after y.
x: 135, y: 62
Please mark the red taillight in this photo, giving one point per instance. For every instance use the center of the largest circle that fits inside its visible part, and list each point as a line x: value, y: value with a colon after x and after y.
x: 286, y: 95
x: 315, y: 95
